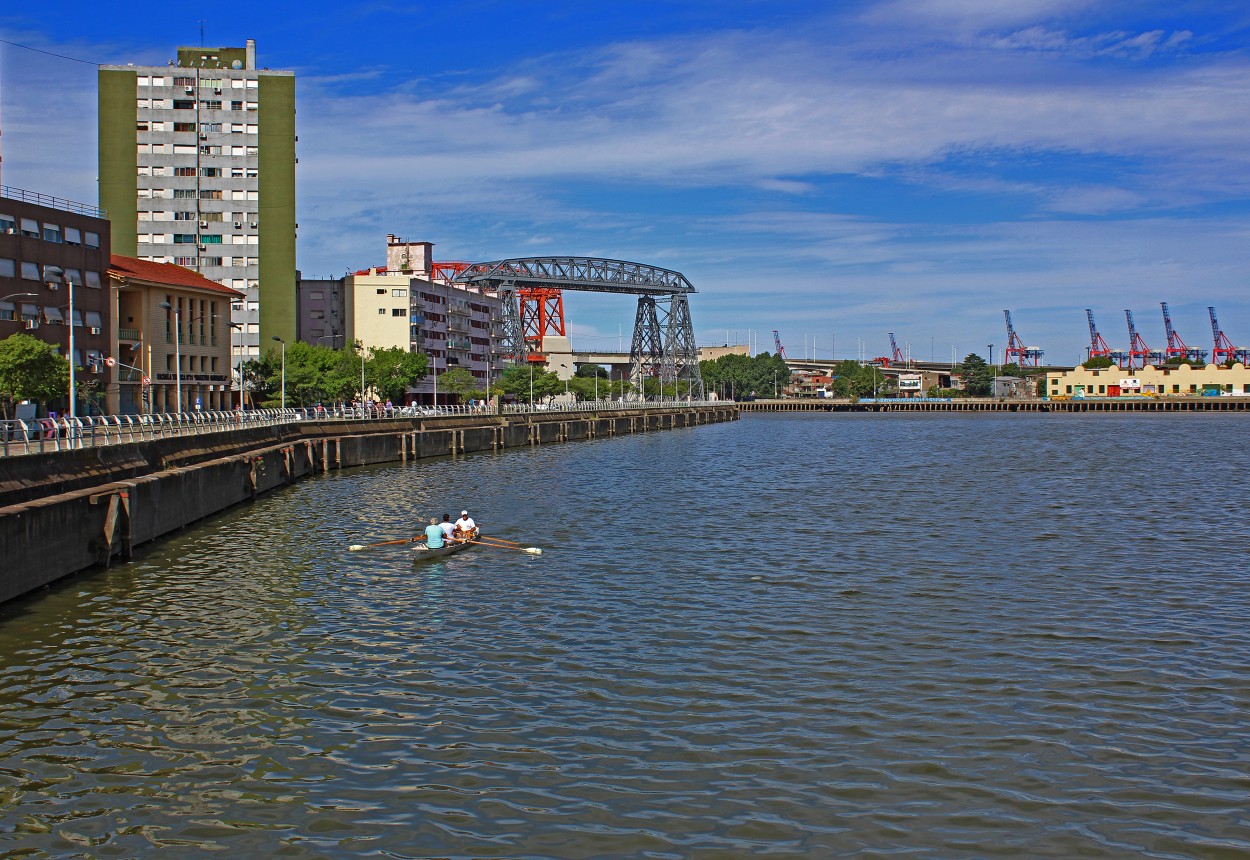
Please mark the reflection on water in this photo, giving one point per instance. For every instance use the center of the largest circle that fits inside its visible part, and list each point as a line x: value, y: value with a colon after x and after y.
x: 987, y: 636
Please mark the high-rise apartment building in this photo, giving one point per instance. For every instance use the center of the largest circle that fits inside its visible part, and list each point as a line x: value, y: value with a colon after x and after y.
x: 197, y: 168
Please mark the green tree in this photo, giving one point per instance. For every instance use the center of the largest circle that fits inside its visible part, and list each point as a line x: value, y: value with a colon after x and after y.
x: 391, y: 371
x: 1097, y: 361
x: 590, y: 371
x: 31, y: 369
x: 977, y: 376
x: 742, y: 376
x: 516, y: 381
x: 458, y: 382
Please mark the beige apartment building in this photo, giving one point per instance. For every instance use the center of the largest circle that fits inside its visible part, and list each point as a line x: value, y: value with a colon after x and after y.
x: 404, y: 304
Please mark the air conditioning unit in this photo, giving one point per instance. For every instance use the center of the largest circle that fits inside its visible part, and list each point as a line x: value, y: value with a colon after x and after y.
x: 216, y: 92
x: 30, y: 325
x: 253, y: 223
x: 238, y: 223
x: 189, y: 90
x: 203, y: 223
x: 202, y: 247
x: 203, y: 137
x: 94, y: 330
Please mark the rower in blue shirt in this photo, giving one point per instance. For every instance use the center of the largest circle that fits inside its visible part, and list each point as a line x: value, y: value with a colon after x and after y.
x: 434, y: 534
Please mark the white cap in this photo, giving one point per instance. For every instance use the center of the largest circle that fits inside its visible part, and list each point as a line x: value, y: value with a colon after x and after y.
x: 464, y: 513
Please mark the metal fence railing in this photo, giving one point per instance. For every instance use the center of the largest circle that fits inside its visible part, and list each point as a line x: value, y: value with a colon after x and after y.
x: 41, y: 435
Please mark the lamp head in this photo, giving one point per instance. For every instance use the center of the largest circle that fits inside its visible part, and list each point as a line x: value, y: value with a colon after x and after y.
x: 278, y: 339
x: 166, y: 305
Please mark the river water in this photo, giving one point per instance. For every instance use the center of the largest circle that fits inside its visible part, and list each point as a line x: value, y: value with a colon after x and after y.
x: 789, y: 636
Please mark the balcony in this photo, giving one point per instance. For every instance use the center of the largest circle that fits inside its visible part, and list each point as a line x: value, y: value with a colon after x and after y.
x: 129, y: 334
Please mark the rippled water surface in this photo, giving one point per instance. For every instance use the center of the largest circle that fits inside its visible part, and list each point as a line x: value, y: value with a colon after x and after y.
x: 792, y: 636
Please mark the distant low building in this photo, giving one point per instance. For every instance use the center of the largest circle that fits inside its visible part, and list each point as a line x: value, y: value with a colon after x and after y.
x: 1180, y: 381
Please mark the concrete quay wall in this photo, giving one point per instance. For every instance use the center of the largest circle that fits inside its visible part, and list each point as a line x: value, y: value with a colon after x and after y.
x: 67, y: 511
x: 986, y: 404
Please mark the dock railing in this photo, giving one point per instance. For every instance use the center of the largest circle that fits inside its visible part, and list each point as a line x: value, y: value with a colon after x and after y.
x: 42, y: 435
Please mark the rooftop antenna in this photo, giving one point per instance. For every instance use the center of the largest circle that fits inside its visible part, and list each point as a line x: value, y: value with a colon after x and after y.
x: 202, y: 22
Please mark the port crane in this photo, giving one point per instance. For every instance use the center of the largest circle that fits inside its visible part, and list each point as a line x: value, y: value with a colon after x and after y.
x: 896, y: 355
x: 1137, y: 346
x: 1098, y: 346
x: 1224, y: 349
x: 781, y: 350
x: 1176, y: 347
x: 1016, y: 350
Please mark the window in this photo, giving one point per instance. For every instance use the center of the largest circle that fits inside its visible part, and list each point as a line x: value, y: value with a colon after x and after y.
x: 94, y: 320
x: 143, y: 104
x: 160, y: 104
x: 316, y: 294
x: 236, y: 127
x: 30, y: 227
x: 210, y: 239
x: 184, y: 149
x: 73, y: 236
x: 92, y: 240
x: 143, y: 80
x: 236, y: 105
x: 30, y: 271
x: 317, y: 315
x: 252, y: 106
x: 210, y: 216
x: 184, y: 82
x: 399, y: 294
x: 92, y: 280
x: 207, y: 127
x: 8, y: 269
x: 252, y: 128
x: 180, y: 193
x: 184, y: 238
x: 184, y: 261
x: 399, y: 312
x: 184, y: 126
x: 214, y: 194
x: 8, y: 224
x: 158, y: 81
x: 141, y: 125
x: 158, y: 125
x: 184, y: 171
x: 182, y: 216
x: 73, y: 276
x: 210, y: 171
x: 211, y: 104
x: 53, y: 315
x: 181, y: 104
x: 30, y: 313
x: 252, y: 84
x: 382, y: 311
x: 211, y: 83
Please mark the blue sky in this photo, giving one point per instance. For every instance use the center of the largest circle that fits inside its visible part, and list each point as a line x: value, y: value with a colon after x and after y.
x: 834, y: 170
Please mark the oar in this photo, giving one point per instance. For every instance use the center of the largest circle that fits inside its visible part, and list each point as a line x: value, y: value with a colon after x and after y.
x: 503, y: 540
x: 532, y: 550
x: 357, y: 547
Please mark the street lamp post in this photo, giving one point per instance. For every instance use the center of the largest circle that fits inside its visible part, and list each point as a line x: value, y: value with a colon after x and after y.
x: 283, y: 342
x: 177, y: 352
x: 242, y: 348
x: 51, y: 272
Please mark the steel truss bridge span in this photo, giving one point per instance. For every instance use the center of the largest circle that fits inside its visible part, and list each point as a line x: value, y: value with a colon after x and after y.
x: 663, y: 345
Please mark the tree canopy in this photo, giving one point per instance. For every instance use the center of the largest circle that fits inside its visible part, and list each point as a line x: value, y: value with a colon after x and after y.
x: 516, y: 381
x: 977, y: 376
x: 741, y: 376
x: 391, y: 371
x: 459, y: 383
x: 31, y: 369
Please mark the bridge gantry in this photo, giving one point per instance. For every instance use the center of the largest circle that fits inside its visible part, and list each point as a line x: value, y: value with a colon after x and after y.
x: 663, y: 345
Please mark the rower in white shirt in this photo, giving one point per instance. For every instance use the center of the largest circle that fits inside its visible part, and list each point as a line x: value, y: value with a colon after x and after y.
x: 465, y: 527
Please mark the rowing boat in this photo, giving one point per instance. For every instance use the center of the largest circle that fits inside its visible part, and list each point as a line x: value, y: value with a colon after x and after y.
x: 424, y: 553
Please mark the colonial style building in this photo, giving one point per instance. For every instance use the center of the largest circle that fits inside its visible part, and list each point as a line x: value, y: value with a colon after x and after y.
x: 1151, y: 381
x: 175, y: 339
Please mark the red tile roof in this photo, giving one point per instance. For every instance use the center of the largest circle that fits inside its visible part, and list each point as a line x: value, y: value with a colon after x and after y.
x: 165, y: 273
